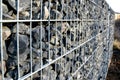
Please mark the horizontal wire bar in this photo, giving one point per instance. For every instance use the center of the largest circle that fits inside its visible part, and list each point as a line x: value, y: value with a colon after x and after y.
x: 84, y: 20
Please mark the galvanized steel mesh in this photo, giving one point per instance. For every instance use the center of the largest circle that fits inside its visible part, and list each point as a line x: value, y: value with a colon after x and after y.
x: 55, y: 39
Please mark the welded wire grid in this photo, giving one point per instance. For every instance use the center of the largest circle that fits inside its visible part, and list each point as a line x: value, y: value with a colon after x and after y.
x: 82, y: 47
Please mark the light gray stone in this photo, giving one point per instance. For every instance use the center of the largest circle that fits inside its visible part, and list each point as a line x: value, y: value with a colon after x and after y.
x: 46, y: 13
x: 5, y: 8
x: 23, y: 29
x: 23, y: 4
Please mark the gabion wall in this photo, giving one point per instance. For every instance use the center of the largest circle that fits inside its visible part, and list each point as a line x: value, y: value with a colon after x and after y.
x: 55, y: 39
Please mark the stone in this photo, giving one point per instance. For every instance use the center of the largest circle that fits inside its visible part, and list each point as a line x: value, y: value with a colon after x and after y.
x: 77, y: 64
x: 55, y: 40
x: 4, y: 66
x: 10, y: 12
x: 36, y: 5
x: 23, y: 44
x: 12, y: 74
x: 11, y: 63
x: 24, y: 67
x: 56, y: 67
x: 23, y: 29
x: 8, y: 17
x: 5, y: 8
x: 66, y: 42
x: 61, y: 50
x: 54, y: 14
x: 23, y: 57
x: 68, y: 67
x: 61, y: 76
x: 66, y: 10
x: 38, y: 45
x: 36, y: 9
x: 45, y: 61
x: 24, y: 15
x: 70, y: 56
x: 45, y: 13
x: 5, y: 32
x: 23, y: 4
x: 46, y: 46
x: 36, y: 66
x: 46, y: 3
x: 37, y: 34
x: 5, y: 54
x: 45, y: 54
x: 62, y: 27
x: 52, y: 75
x: 36, y: 53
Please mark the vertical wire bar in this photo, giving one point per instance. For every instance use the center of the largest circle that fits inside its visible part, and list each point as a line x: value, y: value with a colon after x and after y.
x: 74, y: 33
x: 77, y: 24
x: 77, y: 37
x: 49, y: 39
x: 70, y: 25
x: 71, y: 34
x: 1, y: 46
x: 66, y: 40
x: 61, y: 43
x: 56, y: 42
x: 71, y: 38
x: 1, y: 40
x: 18, y: 38
x: 31, y: 40
x: 41, y: 37
x: 81, y: 34
x: 56, y: 47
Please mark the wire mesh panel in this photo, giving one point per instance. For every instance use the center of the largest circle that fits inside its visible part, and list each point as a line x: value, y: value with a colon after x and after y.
x: 55, y: 39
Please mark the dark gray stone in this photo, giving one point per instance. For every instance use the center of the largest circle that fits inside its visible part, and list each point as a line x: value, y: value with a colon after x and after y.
x: 12, y: 74
x: 11, y: 63
x: 54, y: 14
x: 36, y: 53
x: 37, y: 35
x: 23, y: 44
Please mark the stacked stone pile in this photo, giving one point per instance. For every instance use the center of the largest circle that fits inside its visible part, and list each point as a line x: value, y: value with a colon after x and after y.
x: 42, y: 31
